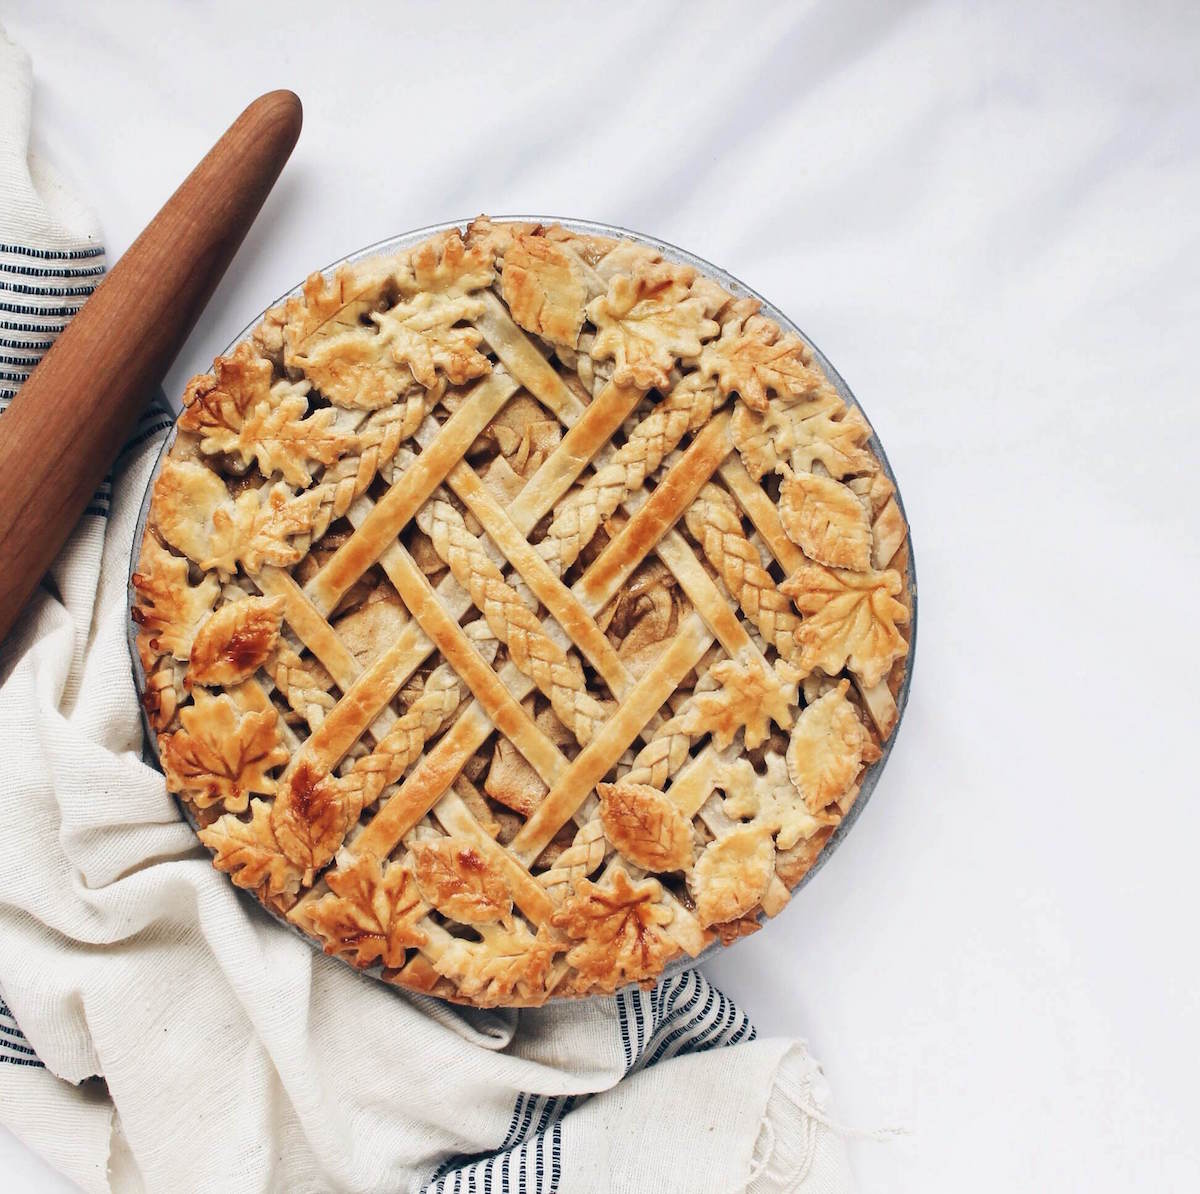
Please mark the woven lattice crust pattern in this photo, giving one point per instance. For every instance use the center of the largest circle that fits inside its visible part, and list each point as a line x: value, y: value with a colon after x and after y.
x: 519, y: 613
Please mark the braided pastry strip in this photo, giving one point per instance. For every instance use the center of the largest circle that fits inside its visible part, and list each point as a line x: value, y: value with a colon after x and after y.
x: 441, y: 696
x: 585, y: 853
x: 302, y: 690
x: 557, y: 672
x: 688, y: 407
x: 404, y: 742
x: 715, y: 524
x: 379, y: 439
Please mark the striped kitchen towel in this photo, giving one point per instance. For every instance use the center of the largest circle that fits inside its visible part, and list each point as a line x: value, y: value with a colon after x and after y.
x: 177, y: 1039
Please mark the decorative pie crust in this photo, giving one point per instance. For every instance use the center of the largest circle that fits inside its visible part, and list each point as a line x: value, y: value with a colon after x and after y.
x: 520, y: 613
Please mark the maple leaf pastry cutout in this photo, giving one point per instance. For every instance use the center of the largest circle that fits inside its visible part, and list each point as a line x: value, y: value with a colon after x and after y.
x: 446, y: 265
x: 222, y: 753
x: 754, y: 358
x: 510, y: 965
x: 248, y: 852
x: 371, y: 913
x: 850, y: 620
x: 196, y: 514
x: 650, y: 319
x: 619, y: 929
x: 797, y: 432
x: 771, y: 800
x: 169, y: 609
x: 751, y: 695
x: 239, y: 410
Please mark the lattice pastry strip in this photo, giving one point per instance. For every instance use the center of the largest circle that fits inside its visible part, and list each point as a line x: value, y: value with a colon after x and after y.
x: 693, y: 789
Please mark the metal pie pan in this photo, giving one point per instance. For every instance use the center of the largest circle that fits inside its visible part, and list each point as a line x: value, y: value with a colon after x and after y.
x: 671, y: 253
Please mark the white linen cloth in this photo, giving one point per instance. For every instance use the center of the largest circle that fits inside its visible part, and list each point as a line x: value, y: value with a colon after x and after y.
x: 171, y: 1036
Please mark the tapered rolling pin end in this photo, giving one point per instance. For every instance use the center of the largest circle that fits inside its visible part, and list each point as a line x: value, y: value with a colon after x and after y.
x: 281, y: 108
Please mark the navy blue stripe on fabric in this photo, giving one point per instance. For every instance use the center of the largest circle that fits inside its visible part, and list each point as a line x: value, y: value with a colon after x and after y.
x: 22, y: 309
x: 639, y: 1020
x: 684, y: 1029
x: 41, y: 271
x: 678, y: 1005
x: 718, y: 1026
x: 53, y: 254
x: 11, y: 1052
x: 556, y: 1144
x: 42, y: 291
x: 523, y: 1161
x: 511, y: 1134
x: 9, y: 326
x: 683, y: 1014
x: 539, y: 1163
x: 623, y: 1021
x: 38, y: 346
x: 15, y: 1048
x: 737, y: 1036
x: 29, y: 1061
x: 526, y: 1119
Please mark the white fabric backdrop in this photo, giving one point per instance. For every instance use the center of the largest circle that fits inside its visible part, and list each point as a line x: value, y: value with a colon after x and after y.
x: 985, y: 215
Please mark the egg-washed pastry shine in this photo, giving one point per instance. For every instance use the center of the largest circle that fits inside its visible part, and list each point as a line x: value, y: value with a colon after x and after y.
x: 519, y: 613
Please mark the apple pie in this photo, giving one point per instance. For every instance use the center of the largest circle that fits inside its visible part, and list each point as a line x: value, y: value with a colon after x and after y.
x: 519, y: 612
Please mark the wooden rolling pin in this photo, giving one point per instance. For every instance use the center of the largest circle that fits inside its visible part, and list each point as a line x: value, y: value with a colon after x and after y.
x: 71, y: 417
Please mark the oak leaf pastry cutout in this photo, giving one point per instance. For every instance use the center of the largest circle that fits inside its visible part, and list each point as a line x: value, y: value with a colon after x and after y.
x: 801, y: 431
x: 240, y: 411
x: 457, y: 880
x: 773, y: 801
x: 509, y: 965
x: 248, y: 852
x: 828, y: 748
x: 169, y: 609
x: 750, y: 696
x: 645, y: 826
x: 235, y: 642
x: 519, y: 611
x: 423, y: 334
x: 827, y: 520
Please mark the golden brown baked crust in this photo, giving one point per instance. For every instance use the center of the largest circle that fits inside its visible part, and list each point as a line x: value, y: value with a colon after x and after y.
x: 519, y: 613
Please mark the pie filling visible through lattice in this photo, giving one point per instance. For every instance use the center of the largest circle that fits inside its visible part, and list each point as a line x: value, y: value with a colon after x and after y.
x: 519, y: 613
